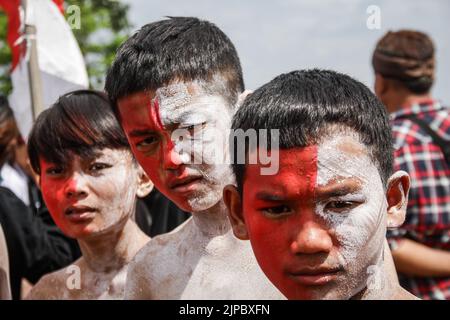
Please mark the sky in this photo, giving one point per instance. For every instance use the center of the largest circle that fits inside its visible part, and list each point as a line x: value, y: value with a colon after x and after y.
x: 274, y: 37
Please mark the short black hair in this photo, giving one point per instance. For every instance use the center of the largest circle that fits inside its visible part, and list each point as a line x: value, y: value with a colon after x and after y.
x: 79, y: 123
x: 177, y: 48
x: 303, y: 104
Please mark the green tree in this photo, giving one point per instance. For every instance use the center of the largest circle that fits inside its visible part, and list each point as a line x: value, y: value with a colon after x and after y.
x: 5, y: 57
x: 103, y: 26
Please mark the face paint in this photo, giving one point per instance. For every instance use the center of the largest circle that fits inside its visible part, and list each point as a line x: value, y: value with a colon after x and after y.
x: 87, y: 197
x: 181, y: 130
x: 319, y: 224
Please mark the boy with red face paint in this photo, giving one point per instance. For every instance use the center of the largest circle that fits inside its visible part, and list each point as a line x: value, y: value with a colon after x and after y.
x: 175, y: 85
x: 318, y: 225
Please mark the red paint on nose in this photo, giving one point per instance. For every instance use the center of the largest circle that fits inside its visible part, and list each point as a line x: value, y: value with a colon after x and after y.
x: 284, y: 243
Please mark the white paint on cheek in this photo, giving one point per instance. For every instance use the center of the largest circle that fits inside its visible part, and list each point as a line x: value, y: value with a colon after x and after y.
x: 205, y: 148
x: 359, y: 230
x: 115, y: 188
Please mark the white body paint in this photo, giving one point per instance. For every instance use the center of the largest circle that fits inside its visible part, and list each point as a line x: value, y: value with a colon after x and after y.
x: 191, y: 264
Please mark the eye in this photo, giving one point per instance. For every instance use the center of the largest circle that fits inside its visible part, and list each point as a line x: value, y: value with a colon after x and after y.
x: 147, y: 143
x: 195, y: 128
x: 341, y: 206
x: 98, y: 166
x: 54, y: 171
x: 277, y: 211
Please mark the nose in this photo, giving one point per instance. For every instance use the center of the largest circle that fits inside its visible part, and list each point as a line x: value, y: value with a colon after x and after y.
x: 312, y: 238
x: 171, y: 158
x: 76, y: 187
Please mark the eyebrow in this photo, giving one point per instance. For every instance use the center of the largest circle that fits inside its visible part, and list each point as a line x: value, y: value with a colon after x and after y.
x: 267, y: 196
x: 333, y: 189
x: 140, y: 132
x: 338, y: 189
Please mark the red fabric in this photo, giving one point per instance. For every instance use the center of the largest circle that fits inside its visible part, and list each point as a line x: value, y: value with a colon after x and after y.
x: 428, y: 213
x: 11, y: 8
x: 60, y: 5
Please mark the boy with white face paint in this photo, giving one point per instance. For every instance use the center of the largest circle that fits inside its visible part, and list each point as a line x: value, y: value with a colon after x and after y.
x: 176, y: 84
x: 317, y: 227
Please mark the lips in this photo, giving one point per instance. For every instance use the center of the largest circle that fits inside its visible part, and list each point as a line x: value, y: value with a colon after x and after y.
x: 184, y: 184
x: 314, y: 276
x: 80, y: 213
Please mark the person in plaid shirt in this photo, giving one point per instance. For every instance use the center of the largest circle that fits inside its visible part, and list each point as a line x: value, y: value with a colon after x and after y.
x: 404, y: 72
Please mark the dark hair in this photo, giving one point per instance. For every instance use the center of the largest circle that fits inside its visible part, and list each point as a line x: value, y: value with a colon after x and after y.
x: 417, y: 50
x: 6, y: 112
x: 303, y: 105
x: 80, y: 123
x: 178, y: 48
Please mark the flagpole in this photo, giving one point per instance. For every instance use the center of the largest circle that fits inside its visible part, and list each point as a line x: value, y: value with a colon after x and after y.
x: 34, y: 74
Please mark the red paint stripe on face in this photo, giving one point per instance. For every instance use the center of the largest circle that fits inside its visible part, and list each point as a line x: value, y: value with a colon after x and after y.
x: 272, y: 237
x: 166, y: 148
x: 155, y: 114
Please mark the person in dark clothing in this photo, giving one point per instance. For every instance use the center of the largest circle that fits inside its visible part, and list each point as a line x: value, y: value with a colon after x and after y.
x: 35, y: 245
x: 155, y: 214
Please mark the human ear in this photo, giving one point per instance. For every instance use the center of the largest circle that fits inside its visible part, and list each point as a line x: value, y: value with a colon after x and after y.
x: 145, y: 185
x: 232, y: 200
x: 242, y: 97
x: 381, y: 86
x: 397, y: 198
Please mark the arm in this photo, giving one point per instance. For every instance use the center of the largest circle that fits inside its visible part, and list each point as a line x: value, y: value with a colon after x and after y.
x: 415, y: 259
x: 5, y: 293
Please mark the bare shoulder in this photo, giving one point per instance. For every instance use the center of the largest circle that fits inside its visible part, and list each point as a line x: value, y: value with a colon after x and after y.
x: 160, y: 247
x: 154, y: 263
x: 50, y: 287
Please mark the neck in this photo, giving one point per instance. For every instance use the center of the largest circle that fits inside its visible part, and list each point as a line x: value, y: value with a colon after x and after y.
x: 114, y: 249
x: 212, y: 221
x: 384, y: 283
x: 404, y: 101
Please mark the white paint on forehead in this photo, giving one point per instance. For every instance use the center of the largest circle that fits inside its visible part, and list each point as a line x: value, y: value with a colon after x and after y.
x: 170, y: 99
x: 332, y: 162
x: 189, y: 103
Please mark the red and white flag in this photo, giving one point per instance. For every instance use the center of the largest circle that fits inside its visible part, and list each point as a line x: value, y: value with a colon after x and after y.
x: 61, y: 63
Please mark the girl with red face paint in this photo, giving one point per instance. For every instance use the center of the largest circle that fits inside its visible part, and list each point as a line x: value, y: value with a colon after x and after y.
x: 89, y: 181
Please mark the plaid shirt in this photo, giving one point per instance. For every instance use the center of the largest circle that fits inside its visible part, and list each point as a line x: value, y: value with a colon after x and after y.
x: 428, y: 213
